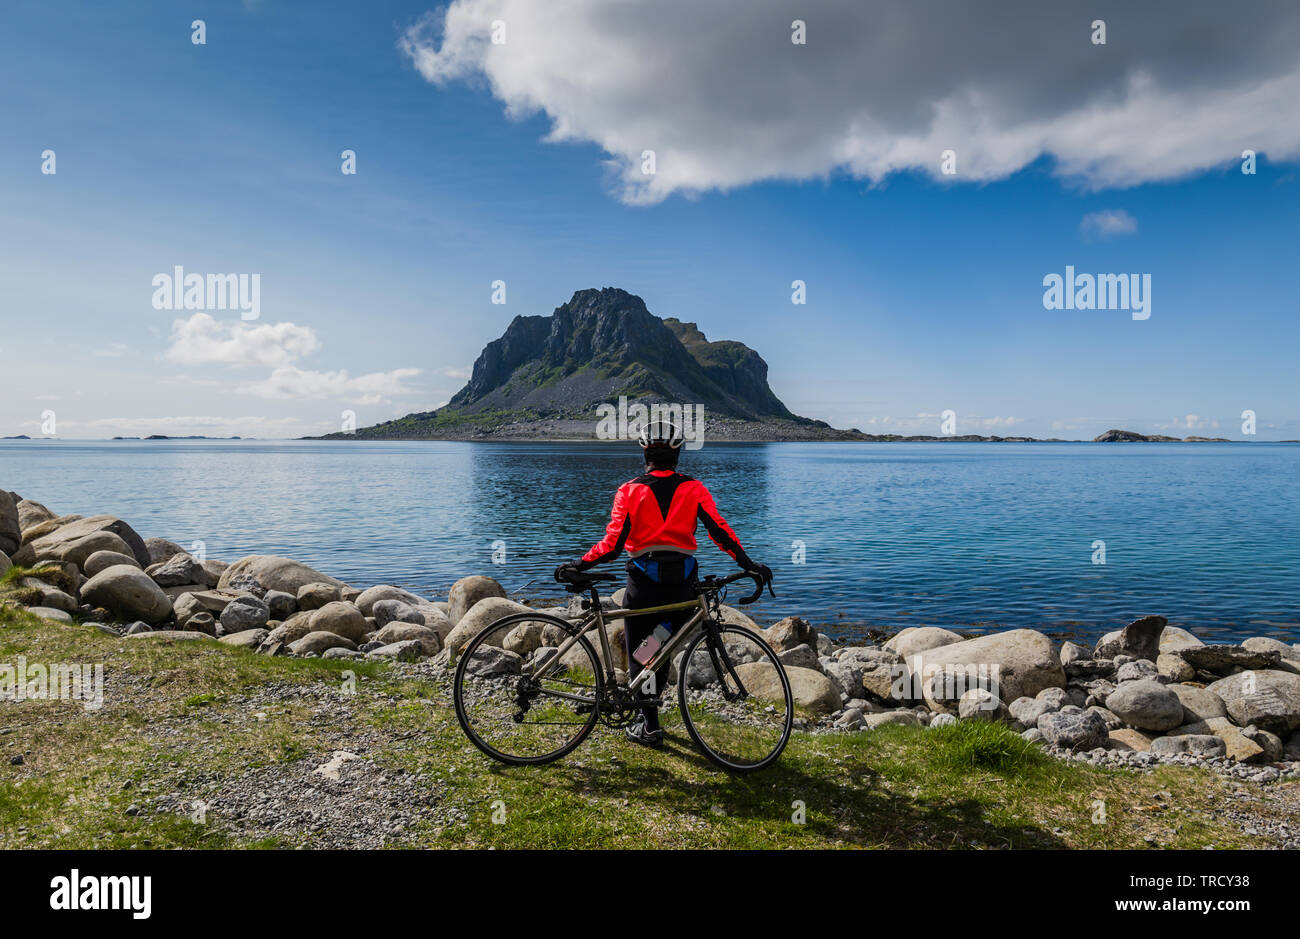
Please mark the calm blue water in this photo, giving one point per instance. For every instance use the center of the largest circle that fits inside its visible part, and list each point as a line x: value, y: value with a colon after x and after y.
x: 960, y: 535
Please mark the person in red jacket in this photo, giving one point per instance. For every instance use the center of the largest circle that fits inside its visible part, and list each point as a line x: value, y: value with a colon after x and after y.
x: 654, y: 519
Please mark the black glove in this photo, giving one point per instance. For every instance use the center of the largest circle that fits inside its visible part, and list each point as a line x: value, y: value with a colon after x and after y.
x: 564, y: 573
x: 762, y: 570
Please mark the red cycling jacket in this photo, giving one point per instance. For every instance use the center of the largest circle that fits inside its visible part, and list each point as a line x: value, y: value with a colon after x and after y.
x: 659, y: 512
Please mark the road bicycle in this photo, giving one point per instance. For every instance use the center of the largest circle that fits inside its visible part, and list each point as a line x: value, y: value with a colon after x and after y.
x: 531, y: 686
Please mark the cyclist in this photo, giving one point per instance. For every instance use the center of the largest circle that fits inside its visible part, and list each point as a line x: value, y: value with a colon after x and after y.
x: 654, y: 519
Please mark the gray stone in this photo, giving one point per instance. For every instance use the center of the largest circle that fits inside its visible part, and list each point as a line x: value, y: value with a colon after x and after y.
x: 342, y: 619
x: 915, y: 640
x: 49, y: 612
x: 129, y: 593
x: 1025, y: 660
x: 389, y: 611
x: 1074, y: 730
x: 315, y: 596
x: 170, y: 635
x: 467, y: 592
x: 243, y: 613
x: 804, y: 656
x: 1268, y: 699
x: 1139, y: 639
x: 280, y: 604
x: 1202, y: 745
x: 1137, y: 670
x: 318, y: 642
x: 274, y: 573
x: 248, y: 639
x: 1199, y: 704
x: 160, y: 549
x: 178, y: 570
x: 1146, y: 705
x: 982, y: 704
x: 492, y: 661
x: 1222, y: 659
x: 103, y: 560
x: 1072, y: 652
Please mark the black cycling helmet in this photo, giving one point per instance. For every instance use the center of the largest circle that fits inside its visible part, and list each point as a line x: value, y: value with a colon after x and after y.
x: 662, y: 443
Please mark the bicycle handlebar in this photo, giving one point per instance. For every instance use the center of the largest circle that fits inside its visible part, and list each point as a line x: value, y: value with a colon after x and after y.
x: 759, y: 583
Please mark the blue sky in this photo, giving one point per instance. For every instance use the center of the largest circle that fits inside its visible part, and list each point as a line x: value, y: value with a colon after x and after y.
x: 924, y: 293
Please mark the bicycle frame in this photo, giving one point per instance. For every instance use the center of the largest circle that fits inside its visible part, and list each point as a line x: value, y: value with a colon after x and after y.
x: 664, y: 655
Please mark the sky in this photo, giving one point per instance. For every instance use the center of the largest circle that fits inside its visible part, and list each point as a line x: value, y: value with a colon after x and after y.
x: 506, y: 141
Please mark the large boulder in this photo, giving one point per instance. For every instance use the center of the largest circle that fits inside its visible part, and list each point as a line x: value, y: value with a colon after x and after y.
x: 467, y: 592
x: 319, y: 642
x: 1020, y: 662
x: 178, y: 570
x: 1222, y: 659
x: 160, y: 549
x: 1199, y: 704
x: 812, y: 691
x: 1140, y: 639
x: 11, y: 532
x: 367, y: 599
x: 243, y: 613
x: 51, y: 544
x: 248, y: 639
x: 915, y: 640
x: 1074, y: 729
x: 1265, y: 644
x: 1268, y: 699
x: 397, y: 631
x: 488, y: 610
x: 274, y: 573
x: 342, y: 619
x: 315, y: 596
x: 787, y: 633
x: 1146, y: 705
x: 389, y: 611
x: 102, y: 560
x: 31, y: 514
x: 128, y: 593
x: 79, y: 551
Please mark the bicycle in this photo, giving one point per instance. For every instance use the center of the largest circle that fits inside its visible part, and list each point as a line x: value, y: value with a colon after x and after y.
x: 533, y: 682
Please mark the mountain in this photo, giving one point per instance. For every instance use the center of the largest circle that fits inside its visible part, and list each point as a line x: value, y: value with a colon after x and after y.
x: 546, y: 375
x: 1132, y: 436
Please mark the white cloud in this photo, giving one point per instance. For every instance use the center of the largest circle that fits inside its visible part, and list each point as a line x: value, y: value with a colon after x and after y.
x: 724, y: 98
x: 292, y: 382
x: 1107, y: 224
x: 202, y: 340
x: 113, y: 350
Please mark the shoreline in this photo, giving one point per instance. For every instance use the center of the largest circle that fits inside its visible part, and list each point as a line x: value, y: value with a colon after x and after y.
x: 1143, y: 695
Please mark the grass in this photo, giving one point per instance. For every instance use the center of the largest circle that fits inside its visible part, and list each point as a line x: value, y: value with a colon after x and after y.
x: 178, y: 719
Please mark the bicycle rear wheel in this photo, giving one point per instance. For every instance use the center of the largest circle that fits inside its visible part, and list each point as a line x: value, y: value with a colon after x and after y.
x: 516, y: 701
x: 735, y: 698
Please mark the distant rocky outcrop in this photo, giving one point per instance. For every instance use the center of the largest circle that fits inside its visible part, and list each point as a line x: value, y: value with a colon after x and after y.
x: 1131, y: 436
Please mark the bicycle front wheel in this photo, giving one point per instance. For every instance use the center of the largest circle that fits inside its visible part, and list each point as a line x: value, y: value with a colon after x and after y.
x: 517, y: 699
x: 735, y: 698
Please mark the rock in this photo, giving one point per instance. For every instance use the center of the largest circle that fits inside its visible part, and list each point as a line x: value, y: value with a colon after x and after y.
x: 243, y: 613
x: 790, y: 632
x: 160, y: 550
x: 398, y: 631
x: 492, y: 661
x: 31, y: 514
x: 292, y: 629
x: 388, y: 611
x: 1202, y: 745
x: 5, y: 563
x: 338, y: 652
x: 1071, y: 652
x: 1264, y: 644
x: 210, y: 601
x: 274, y: 573
x: 730, y: 616
x: 917, y: 639
x: 179, y: 569
x: 1222, y: 659
x: 248, y: 639
x: 982, y: 704
x: 77, y: 552
x: 1137, y: 670
x: 523, y: 639
x: 51, y: 596
x: 315, y: 596
x: 1033, y: 734
x: 467, y: 592
x: 804, y: 656
x: 49, y: 612
x: 170, y: 635
x: 1074, y: 730
x: 1139, y: 639
x: 1268, y: 699
x: 942, y: 720
x: 342, y: 619
x: 1198, y: 703
x: 103, y: 560
x: 202, y: 622
x: 215, y: 569
x: 1174, y: 667
x: 851, y: 718
x: 1269, y: 742
x: 1021, y: 662
x: 281, y: 605
x: 901, y: 716
x: 318, y: 642
x: 1029, y: 710
x: 1129, y: 740
x: 1146, y: 705
x: 811, y: 690
x: 129, y: 593
x: 11, y: 532
x: 368, y: 598
x: 1291, y: 751
x: 136, y: 627
x: 488, y: 610
x: 1175, y: 638
x: 1238, y: 746
x: 1112, y: 719
x: 64, y: 535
